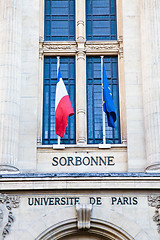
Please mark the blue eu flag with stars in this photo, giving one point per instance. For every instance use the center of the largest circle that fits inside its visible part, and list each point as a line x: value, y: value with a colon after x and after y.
x: 108, y: 105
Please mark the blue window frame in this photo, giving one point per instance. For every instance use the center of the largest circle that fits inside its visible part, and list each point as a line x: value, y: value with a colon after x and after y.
x: 49, y: 90
x: 101, y: 20
x: 59, y: 20
x: 94, y: 100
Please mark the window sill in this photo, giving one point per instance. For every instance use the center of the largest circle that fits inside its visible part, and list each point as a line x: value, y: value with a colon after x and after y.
x: 100, y: 146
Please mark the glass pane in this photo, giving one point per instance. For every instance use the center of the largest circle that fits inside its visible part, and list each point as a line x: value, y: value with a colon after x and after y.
x: 94, y: 100
x: 59, y: 20
x: 49, y: 88
x: 101, y: 20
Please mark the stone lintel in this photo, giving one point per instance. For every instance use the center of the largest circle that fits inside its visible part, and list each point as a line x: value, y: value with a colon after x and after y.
x: 90, y: 47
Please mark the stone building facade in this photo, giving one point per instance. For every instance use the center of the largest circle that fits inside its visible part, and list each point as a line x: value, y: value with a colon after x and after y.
x: 80, y: 188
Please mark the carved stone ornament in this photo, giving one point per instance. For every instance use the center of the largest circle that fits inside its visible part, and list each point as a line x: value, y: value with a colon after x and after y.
x: 83, y: 215
x: 51, y: 47
x: 91, y: 47
x: 7, y: 202
x: 5, y: 168
x: 120, y: 41
x: 108, y: 47
x: 1, y: 215
x: 154, y: 201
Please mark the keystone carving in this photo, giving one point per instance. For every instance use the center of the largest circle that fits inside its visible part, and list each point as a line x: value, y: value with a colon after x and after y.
x: 9, y: 202
x: 154, y: 201
x: 83, y: 215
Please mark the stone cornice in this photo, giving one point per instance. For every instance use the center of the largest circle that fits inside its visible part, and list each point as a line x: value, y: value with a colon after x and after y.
x: 80, y: 181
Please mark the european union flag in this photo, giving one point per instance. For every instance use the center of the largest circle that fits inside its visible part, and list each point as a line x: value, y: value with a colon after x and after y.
x: 108, y: 105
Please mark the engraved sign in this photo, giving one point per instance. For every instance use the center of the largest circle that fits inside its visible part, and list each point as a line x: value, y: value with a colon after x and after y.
x: 74, y: 200
x: 85, y: 161
x: 80, y: 160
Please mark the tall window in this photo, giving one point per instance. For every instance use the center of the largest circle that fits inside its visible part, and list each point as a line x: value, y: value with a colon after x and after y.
x: 94, y: 99
x: 49, y: 89
x: 59, y: 20
x: 100, y: 38
x: 101, y: 19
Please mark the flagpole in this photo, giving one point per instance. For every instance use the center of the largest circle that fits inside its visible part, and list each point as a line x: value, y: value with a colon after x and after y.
x: 103, y: 113
x: 58, y: 63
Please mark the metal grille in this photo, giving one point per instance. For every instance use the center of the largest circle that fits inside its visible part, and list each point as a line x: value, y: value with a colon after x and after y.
x: 94, y: 100
x: 49, y: 89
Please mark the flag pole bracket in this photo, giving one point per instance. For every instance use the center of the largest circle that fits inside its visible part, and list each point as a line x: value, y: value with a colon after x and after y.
x: 104, y: 146
x: 59, y: 146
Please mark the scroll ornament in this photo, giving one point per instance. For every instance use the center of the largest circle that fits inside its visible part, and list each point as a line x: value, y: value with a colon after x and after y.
x: 154, y: 201
x: 10, y: 202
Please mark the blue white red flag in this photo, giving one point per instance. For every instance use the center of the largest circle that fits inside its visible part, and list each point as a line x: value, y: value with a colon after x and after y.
x: 63, y: 107
x: 108, y: 105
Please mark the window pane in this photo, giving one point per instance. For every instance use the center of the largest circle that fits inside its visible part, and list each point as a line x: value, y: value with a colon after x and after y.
x: 59, y: 20
x: 49, y: 88
x: 94, y: 99
x: 101, y: 20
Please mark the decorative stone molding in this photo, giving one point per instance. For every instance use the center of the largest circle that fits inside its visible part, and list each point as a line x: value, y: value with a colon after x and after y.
x: 5, y: 168
x: 94, y: 47
x: 39, y: 140
x: 154, y: 201
x: 81, y: 140
x: 83, y: 215
x: 80, y: 55
x: 102, y: 228
x: 1, y: 215
x: 80, y: 22
x: 9, y: 202
x: 41, y: 41
x: 124, y: 140
x: 80, y: 47
x: 111, y: 47
x: 121, y: 52
x: 155, y: 167
x: 120, y: 42
x: 81, y: 111
x: 59, y: 47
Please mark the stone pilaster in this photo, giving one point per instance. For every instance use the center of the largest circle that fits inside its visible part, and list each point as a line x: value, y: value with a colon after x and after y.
x: 132, y: 86
x: 150, y: 47
x: 80, y: 20
x: 81, y: 97
x: 10, y: 75
x: 81, y: 72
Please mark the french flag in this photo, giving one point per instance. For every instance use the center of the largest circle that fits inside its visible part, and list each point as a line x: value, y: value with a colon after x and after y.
x: 63, y: 107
